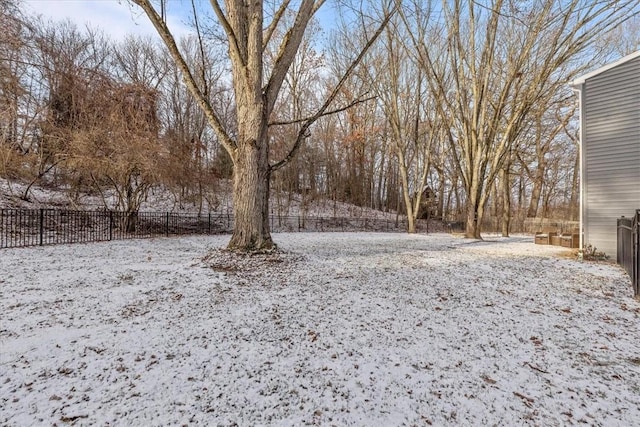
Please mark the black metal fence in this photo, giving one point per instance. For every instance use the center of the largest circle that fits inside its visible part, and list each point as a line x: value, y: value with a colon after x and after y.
x: 33, y: 227
x: 628, y: 248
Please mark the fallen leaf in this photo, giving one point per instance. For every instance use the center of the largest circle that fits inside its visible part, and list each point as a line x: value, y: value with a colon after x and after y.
x: 526, y: 399
x: 536, y: 367
x: 536, y: 340
x: 488, y: 379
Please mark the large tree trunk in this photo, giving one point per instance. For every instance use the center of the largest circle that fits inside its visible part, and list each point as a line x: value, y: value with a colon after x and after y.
x: 472, y: 229
x: 251, y: 177
x: 251, y: 201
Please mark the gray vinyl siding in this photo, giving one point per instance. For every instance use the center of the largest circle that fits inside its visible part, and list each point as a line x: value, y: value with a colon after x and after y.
x: 611, y: 152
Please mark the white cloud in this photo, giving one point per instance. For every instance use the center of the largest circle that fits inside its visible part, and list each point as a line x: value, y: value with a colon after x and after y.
x: 115, y: 18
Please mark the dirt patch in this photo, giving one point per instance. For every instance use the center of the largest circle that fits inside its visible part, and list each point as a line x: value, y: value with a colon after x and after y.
x: 230, y: 261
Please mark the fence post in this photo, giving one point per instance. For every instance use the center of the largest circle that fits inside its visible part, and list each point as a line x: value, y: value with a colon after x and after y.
x: 110, y: 225
x: 167, y: 225
x: 209, y: 223
x: 41, y: 225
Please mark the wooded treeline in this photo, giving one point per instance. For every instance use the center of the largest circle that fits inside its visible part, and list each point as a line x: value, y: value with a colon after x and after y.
x: 460, y: 110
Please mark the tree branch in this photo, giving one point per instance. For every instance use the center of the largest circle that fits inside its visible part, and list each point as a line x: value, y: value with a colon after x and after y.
x: 302, y: 133
x: 326, y: 113
x: 288, y: 48
x: 234, y: 47
x: 201, y: 47
x: 187, y: 76
x: 268, y: 32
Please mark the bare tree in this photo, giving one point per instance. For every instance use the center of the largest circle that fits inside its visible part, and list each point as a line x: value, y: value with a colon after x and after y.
x: 623, y: 39
x: 300, y: 96
x: 12, y: 45
x: 194, y: 158
x: 497, y: 59
x: 23, y: 98
x: 113, y: 141
x: 14, y: 81
x: 399, y: 86
x: 256, y: 88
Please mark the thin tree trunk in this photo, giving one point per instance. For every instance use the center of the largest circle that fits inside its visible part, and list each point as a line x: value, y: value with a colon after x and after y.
x: 411, y: 224
x: 536, y: 192
x: 474, y: 211
x: 506, y: 201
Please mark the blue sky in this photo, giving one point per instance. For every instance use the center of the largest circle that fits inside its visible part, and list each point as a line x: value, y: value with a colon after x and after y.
x: 119, y: 17
x: 116, y: 18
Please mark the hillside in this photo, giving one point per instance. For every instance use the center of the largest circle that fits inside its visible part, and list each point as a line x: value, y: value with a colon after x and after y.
x: 160, y: 200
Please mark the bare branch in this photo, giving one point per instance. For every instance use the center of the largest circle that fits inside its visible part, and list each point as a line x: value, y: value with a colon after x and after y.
x: 201, y: 47
x: 305, y: 127
x: 268, y: 33
x: 189, y: 80
x: 234, y: 47
x: 326, y: 113
x: 288, y: 48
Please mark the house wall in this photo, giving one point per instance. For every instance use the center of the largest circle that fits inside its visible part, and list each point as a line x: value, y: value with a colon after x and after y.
x: 611, y: 152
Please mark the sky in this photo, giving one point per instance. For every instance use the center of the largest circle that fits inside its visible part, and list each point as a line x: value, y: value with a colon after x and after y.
x: 116, y: 17
x: 119, y: 17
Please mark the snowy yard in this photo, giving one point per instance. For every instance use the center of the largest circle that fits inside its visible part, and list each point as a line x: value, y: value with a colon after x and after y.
x: 339, y: 329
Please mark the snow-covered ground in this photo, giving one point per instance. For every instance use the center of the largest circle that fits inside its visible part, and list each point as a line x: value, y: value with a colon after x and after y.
x: 337, y: 329
x: 11, y: 193
x: 159, y: 200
